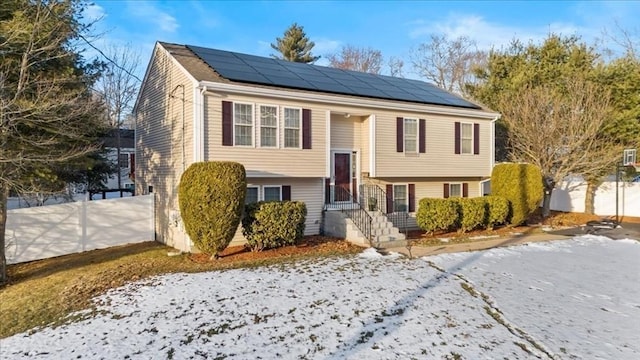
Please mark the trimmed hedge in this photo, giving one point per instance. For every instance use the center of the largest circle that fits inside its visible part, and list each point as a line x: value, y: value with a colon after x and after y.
x: 521, y: 184
x: 471, y: 213
x: 436, y: 214
x: 273, y: 224
x: 211, y: 196
x: 497, y: 211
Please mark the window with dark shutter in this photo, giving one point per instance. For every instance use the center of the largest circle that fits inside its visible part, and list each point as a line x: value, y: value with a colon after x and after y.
x: 476, y: 139
x: 399, y: 134
x: 457, y: 137
x: 389, y: 198
x: 446, y: 190
x: 286, y: 192
x: 422, y: 145
x: 465, y: 189
x: 306, y: 129
x: 227, y: 123
x: 412, y: 197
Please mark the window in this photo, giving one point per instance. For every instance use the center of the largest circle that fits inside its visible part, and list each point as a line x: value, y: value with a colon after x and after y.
x: 466, y: 138
x: 272, y: 193
x: 243, y: 124
x: 411, y: 136
x: 400, y: 198
x: 123, y: 160
x: 629, y: 157
x: 252, y: 195
x: 455, y: 190
x: 268, y: 126
x: 292, y: 120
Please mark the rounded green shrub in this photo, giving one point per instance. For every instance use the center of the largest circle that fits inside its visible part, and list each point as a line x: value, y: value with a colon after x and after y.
x: 436, y: 214
x: 272, y: 224
x: 521, y: 184
x: 497, y: 211
x: 211, y: 196
x: 471, y: 212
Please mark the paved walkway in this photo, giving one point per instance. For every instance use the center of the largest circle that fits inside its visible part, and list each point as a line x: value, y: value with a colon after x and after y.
x: 419, y: 251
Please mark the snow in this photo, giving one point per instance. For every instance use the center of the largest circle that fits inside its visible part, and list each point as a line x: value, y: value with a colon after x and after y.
x: 576, y: 298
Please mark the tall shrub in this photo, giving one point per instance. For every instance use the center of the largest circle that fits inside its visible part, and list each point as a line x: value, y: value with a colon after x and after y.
x: 471, y: 212
x: 497, y: 211
x: 521, y: 184
x: 211, y: 200
x: 273, y: 224
x: 436, y: 214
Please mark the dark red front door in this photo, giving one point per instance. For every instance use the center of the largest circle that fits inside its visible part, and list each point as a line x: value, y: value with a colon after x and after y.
x: 342, y: 173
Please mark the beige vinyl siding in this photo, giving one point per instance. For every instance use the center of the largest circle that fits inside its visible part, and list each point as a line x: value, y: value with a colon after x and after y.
x: 266, y: 162
x: 346, y: 132
x: 161, y: 134
x: 302, y: 189
x: 364, y: 145
x: 440, y: 159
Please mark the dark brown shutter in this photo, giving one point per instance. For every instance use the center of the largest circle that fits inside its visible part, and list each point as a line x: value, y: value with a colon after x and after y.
x: 286, y: 192
x: 422, y: 136
x: 476, y: 139
x: 399, y: 134
x: 457, y: 137
x: 306, y: 129
x: 132, y: 171
x: 327, y: 191
x: 465, y: 189
x: 227, y: 123
x: 389, y: 198
x: 446, y: 190
x: 412, y: 197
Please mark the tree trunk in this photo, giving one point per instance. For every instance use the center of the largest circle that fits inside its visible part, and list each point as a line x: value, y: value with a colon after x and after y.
x: 118, y: 156
x: 546, y: 202
x: 4, y: 197
x: 589, y: 200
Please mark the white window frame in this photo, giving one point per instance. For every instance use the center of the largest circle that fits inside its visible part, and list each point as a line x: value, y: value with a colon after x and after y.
x: 462, y: 139
x: 257, y: 187
x: 404, y: 135
x: 285, y: 128
x: 260, y: 126
x: 253, y: 123
x: 128, y: 155
x: 629, y: 157
x: 406, y: 192
x: 264, y: 187
x: 451, y: 192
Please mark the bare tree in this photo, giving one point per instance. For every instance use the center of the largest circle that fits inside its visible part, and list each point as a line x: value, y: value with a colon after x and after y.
x: 359, y: 59
x: 46, y: 109
x: 447, y: 63
x: 396, y: 66
x: 560, y: 130
x: 118, y: 88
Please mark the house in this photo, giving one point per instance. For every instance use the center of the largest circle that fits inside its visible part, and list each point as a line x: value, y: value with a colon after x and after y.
x: 125, y: 164
x: 335, y: 139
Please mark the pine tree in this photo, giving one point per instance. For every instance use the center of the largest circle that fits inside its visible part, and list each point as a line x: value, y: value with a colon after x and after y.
x: 294, y: 46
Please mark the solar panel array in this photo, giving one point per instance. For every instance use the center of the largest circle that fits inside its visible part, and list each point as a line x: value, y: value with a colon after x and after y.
x: 266, y: 71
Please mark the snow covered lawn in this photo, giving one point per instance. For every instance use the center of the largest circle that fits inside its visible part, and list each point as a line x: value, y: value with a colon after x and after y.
x: 567, y: 299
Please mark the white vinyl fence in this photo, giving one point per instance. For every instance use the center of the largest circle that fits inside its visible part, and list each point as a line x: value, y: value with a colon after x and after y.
x: 54, y: 230
x: 570, y: 196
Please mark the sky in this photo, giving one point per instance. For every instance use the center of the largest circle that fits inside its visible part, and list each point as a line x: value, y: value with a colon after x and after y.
x: 394, y: 28
x: 552, y: 300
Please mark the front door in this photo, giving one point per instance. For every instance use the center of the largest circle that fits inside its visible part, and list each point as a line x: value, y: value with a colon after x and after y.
x: 342, y: 174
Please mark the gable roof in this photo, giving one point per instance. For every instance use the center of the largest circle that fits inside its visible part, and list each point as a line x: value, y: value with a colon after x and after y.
x: 251, y: 69
x: 126, y: 139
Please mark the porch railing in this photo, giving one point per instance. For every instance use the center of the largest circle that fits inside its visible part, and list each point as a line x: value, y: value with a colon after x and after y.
x: 374, y: 198
x: 341, y: 199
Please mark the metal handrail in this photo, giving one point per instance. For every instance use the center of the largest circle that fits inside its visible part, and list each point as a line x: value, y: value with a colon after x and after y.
x: 342, y: 199
x: 374, y: 198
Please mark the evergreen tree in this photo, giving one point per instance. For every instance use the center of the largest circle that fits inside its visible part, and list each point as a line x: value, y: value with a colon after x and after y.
x: 48, y: 114
x: 294, y: 46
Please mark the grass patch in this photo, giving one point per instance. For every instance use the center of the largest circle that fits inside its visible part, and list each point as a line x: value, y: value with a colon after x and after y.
x: 46, y: 292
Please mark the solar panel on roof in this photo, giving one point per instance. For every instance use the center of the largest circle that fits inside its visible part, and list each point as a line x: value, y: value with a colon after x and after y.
x: 266, y: 71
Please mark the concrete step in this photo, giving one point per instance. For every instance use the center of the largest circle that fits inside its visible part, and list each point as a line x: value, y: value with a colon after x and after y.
x: 391, y: 244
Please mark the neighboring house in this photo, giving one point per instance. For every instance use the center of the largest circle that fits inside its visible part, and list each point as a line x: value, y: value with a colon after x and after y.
x: 125, y: 165
x: 321, y: 135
